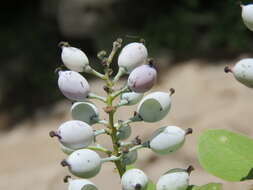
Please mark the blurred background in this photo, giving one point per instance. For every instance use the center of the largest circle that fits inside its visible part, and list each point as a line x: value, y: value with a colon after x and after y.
x: 192, y: 41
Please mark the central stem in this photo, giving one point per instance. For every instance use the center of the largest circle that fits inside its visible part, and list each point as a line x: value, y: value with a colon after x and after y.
x: 119, y: 167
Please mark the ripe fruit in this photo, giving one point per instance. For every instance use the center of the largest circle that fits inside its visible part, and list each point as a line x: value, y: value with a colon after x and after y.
x: 243, y: 71
x: 142, y: 78
x: 134, y: 179
x: 124, y: 132
x: 132, y: 55
x: 166, y: 140
x: 247, y: 15
x: 83, y: 163
x: 129, y: 158
x: 130, y: 98
x: 85, y: 111
x: 74, y: 134
x: 80, y: 184
x: 73, y: 58
x: 155, y: 106
x: 174, y: 179
x: 73, y: 85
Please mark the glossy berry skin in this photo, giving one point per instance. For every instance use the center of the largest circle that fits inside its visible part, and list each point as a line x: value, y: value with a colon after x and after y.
x: 75, y: 134
x: 175, y: 179
x: 166, y: 140
x: 84, y: 163
x: 131, y: 98
x: 85, y: 111
x: 74, y: 58
x: 81, y: 184
x: 142, y: 78
x: 132, y: 55
x: 247, y: 15
x: 73, y: 85
x: 154, y: 107
x: 243, y: 72
x: 134, y: 179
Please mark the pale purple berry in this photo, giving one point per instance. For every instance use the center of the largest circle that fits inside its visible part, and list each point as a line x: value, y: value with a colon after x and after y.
x: 168, y: 139
x: 134, y: 179
x: 142, y: 78
x: 243, y: 71
x: 132, y: 55
x: 74, y: 134
x: 83, y: 163
x: 73, y: 58
x: 73, y: 85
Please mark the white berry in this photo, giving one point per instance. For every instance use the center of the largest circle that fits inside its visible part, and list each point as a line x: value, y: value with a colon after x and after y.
x: 81, y: 184
x: 134, y: 179
x: 130, y: 98
x: 175, y: 179
x: 83, y: 163
x: 243, y: 71
x: 132, y: 56
x: 166, y: 140
x: 247, y: 15
x: 154, y: 106
x: 73, y: 58
x: 85, y: 111
x: 74, y: 134
x: 73, y: 85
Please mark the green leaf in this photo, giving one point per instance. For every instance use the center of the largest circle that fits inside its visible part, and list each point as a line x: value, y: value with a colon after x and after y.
x: 226, y: 154
x: 209, y: 186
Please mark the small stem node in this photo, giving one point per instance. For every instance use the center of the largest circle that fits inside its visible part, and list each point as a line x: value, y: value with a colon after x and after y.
x: 66, y: 179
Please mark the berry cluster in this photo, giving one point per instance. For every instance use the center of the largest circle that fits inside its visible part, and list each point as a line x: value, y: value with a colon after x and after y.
x: 243, y: 69
x: 77, y: 137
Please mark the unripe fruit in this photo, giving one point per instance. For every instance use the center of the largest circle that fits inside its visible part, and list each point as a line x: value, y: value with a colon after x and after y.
x: 73, y: 85
x: 175, y: 179
x: 166, y: 140
x: 132, y: 55
x: 83, y: 163
x: 129, y: 158
x: 247, y: 15
x: 243, y: 71
x: 134, y: 179
x: 155, y: 106
x: 80, y: 184
x: 74, y: 134
x: 130, y: 98
x: 142, y: 78
x: 73, y: 58
x: 124, y: 132
x: 85, y: 111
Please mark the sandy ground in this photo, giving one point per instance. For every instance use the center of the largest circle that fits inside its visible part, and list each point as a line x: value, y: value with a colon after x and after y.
x: 205, y: 98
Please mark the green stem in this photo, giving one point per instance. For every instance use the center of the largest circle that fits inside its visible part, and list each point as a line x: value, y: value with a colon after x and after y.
x: 119, y: 167
x: 122, y: 90
x: 89, y: 70
x: 97, y: 97
x: 98, y: 147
